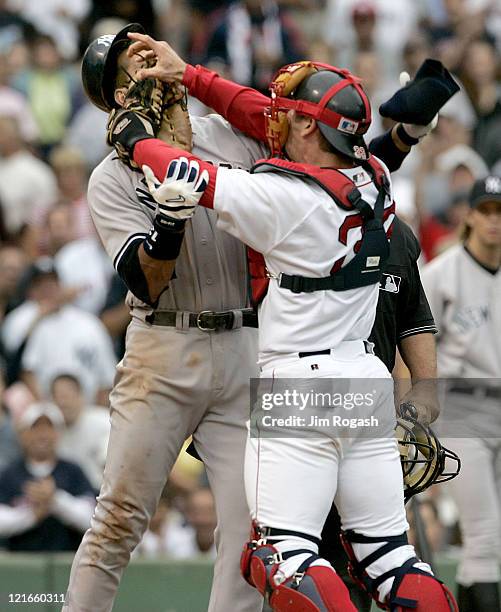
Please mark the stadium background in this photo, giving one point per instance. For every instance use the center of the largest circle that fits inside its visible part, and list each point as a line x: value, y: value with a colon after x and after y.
x: 57, y: 285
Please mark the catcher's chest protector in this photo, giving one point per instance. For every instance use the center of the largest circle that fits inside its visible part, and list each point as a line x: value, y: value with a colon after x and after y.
x: 372, y: 250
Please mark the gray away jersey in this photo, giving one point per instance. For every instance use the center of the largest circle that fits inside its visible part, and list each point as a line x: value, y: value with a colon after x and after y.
x: 466, y: 303
x: 211, y: 270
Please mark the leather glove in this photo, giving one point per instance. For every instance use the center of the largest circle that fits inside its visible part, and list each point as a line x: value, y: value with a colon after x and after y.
x: 180, y: 191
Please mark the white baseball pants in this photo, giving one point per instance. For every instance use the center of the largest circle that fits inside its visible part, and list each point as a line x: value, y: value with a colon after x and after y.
x: 291, y: 483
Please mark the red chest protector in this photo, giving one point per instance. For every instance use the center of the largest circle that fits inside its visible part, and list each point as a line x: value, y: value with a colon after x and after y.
x: 344, y: 193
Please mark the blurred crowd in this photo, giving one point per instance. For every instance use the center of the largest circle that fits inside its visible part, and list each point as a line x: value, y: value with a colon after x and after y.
x: 62, y: 311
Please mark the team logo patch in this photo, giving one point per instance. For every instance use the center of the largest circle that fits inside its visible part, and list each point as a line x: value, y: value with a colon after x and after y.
x: 359, y: 152
x: 106, y: 40
x: 347, y: 125
x: 390, y: 283
x: 360, y: 178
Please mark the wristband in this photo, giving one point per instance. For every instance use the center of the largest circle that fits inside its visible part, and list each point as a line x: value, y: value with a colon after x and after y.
x: 409, y: 141
x: 164, y: 241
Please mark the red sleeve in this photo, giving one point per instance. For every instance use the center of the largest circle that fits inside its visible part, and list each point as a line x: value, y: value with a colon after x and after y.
x: 157, y: 155
x: 242, y: 106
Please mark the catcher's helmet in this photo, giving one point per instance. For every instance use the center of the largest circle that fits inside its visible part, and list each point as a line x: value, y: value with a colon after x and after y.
x: 422, y: 456
x: 338, y: 91
x: 99, y: 66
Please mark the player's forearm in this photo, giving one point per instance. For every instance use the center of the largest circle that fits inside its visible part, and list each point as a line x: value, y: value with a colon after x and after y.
x: 145, y: 276
x: 420, y: 356
x: 157, y: 155
x: 157, y: 273
x: 242, y: 106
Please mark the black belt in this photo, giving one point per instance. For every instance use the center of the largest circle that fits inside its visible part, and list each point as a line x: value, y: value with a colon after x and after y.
x: 369, y: 348
x: 311, y: 353
x: 492, y: 392
x: 207, y: 320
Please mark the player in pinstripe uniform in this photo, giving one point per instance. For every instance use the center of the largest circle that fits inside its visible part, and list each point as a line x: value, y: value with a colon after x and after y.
x: 464, y: 288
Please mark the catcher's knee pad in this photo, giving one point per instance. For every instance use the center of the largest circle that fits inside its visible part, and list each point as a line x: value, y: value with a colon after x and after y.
x: 310, y: 589
x: 413, y: 589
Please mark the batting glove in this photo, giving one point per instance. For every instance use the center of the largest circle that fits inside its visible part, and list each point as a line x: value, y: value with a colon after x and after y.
x: 181, y: 190
x: 414, y: 130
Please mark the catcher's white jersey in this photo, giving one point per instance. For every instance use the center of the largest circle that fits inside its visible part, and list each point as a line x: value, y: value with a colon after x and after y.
x: 297, y: 225
x: 211, y: 269
x: 465, y: 301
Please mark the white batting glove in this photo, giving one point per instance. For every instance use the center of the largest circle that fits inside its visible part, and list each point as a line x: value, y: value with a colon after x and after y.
x: 181, y: 190
x: 416, y: 131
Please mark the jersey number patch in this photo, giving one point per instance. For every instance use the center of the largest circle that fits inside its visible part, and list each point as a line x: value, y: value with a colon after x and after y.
x: 352, y: 222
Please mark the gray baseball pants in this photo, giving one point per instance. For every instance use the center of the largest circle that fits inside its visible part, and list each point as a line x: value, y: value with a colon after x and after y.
x: 171, y: 384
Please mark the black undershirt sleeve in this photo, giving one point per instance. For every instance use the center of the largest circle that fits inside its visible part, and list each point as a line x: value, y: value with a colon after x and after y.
x: 384, y: 148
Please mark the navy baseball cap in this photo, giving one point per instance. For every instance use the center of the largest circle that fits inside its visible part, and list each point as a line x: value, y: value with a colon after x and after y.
x: 487, y: 189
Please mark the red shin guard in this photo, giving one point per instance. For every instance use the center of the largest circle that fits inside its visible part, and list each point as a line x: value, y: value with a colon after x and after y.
x: 320, y: 589
x: 413, y: 590
x: 422, y: 593
x: 311, y: 589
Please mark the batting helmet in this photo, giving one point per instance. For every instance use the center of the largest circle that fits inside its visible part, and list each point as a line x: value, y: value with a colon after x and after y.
x: 422, y: 456
x: 99, y: 66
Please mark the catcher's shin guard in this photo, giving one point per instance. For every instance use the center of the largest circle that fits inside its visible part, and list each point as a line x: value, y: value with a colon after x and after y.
x: 413, y: 589
x: 310, y: 589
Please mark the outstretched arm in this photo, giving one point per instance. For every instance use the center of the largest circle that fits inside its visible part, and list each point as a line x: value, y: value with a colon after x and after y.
x: 185, y: 184
x: 242, y: 106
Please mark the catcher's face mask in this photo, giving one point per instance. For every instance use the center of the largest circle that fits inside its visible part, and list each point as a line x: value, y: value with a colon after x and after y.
x: 286, y: 83
x: 423, y: 459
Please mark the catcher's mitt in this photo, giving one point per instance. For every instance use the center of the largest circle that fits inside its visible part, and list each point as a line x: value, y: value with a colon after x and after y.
x: 162, y: 111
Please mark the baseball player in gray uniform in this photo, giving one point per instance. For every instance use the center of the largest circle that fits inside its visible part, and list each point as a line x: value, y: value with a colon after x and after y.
x: 463, y: 286
x: 179, y: 377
